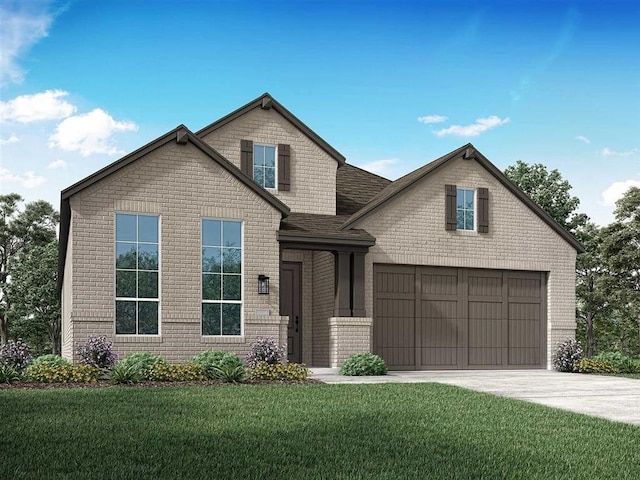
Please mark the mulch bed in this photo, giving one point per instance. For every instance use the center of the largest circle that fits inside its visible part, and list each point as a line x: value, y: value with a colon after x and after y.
x: 106, y: 383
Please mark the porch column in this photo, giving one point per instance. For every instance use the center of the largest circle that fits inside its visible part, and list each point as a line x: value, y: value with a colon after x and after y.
x: 358, y: 284
x: 343, y: 284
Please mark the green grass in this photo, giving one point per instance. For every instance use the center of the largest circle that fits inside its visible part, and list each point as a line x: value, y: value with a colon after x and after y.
x: 390, y: 431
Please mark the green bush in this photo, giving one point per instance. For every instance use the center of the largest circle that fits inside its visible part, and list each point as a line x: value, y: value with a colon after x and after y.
x: 229, y: 373
x: 9, y: 374
x: 214, y: 359
x: 592, y: 365
x: 182, y: 372
x: 125, y: 374
x: 50, y: 359
x: 361, y: 364
x: 623, y: 363
x: 279, y: 371
x: 46, y: 373
x: 143, y: 361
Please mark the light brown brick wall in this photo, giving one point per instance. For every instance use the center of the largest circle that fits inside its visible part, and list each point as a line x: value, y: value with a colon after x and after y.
x: 348, y: 335
x: 410, y: 230
x: 182, y: 185
x: 313, y: 171
x: 323, y: 306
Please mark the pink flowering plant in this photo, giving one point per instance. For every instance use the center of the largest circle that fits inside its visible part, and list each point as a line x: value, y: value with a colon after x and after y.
x: 15, y: 354
x: 97, y: 352
x: 265, y: 350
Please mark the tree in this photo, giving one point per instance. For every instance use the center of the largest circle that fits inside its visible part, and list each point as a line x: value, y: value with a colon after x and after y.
x: 621, y: 249
x: 33, y: 289
x: 550, y: 191
x: 19, y: 231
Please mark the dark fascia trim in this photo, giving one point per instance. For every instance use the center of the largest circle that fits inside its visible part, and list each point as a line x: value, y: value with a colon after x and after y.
x: 322, y: 247
x: 267, y: 99
x: 469, y: 151
x: 374, y: 204
x: 181, y: 135
x: 324, y: 242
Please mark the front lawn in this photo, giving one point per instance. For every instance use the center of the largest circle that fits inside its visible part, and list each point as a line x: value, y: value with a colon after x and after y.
x: 390, y: 431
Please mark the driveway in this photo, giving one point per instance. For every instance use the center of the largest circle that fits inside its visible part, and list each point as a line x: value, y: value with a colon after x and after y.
x: 613, y: 398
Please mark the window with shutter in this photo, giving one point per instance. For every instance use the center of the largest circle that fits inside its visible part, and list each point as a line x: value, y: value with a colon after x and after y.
x: 483, y: 210
x: 284, y: 167
x: 246, y: 157
x: 450, y: 207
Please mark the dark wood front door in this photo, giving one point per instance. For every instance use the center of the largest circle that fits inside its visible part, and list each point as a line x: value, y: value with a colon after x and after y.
x: 290, y: 305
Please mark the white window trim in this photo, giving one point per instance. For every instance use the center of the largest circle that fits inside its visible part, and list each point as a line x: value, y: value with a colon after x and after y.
x: 242, y: 277
x: 275, y: 150
x: 136, y: 299
x: 475, y: 209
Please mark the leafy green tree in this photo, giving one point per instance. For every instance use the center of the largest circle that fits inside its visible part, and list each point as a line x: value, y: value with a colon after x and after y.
x: 621, y: 249
x: 550, y: 191
x: 35, y: 298
x: 19, y: 231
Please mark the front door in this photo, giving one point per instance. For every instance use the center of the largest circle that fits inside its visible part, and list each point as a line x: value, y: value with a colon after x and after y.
x: 290, y: 305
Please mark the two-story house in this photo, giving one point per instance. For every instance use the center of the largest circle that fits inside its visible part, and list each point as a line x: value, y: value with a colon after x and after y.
x: 255, y: 226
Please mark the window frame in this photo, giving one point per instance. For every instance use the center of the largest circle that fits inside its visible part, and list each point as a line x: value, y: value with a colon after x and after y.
x: 475, y: 209
x: 137, y: 299
x: 240, y: 302
x: 275, y: 167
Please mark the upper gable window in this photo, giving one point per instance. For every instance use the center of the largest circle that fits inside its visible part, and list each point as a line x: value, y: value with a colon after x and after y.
x: 264, y: 165
x: 465, y: 209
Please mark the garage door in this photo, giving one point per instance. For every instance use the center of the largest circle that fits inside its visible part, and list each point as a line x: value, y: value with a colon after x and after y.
x: 457, y: 318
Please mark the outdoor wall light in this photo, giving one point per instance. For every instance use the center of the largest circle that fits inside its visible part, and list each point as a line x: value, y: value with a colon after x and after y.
x: 263, y: 284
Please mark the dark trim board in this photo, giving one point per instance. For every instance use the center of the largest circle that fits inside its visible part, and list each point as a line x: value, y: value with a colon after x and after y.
x: 440, y: 318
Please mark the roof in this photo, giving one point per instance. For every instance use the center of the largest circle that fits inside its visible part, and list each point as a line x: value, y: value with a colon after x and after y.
x: 181, y: 135
x: 321, y: 229
x: 355, y: 188
x: 266, y: 102
x: 467, y: 151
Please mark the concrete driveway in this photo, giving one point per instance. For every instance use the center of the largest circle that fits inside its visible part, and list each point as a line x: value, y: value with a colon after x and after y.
x: 613, y: 398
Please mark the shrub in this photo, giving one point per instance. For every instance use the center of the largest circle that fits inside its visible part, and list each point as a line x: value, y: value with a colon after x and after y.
x: 265, y: 350
x: 279, y: 371
x: 623, y: 363
x: 96, y: 352
x: 125, y: 374
x: 591, y: 365
x: 46, y: 373
x: 212, y: 359
x: 182, y: 372
x: 143, y: 361
x: 15, y: 354
x: 9, y: 374
x: 50, y: 359
x: 363, y: 364
x: 567, y: 356
x: 229, y: 373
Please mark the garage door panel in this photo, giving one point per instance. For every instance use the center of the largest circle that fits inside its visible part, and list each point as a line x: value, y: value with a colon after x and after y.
x: 459, y: 318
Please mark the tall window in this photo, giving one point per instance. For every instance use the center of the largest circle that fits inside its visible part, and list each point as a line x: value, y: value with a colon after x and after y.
x: 221, y: 277
x: 137, y: 271
x: 264, y: 165
x: 465, y: 208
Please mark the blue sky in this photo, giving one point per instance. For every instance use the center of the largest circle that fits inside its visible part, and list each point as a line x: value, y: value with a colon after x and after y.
x: 391, y: 85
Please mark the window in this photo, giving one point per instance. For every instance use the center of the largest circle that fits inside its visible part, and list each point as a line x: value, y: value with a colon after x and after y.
x: 221, y: 277
x: 137, y: 274
x: 465, y: 208
x: 264, y: 165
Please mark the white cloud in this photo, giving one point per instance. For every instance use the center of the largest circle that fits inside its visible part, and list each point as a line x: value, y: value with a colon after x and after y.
x: 28, y: 180
x: 475, y: 129
x: 381, y: 167
x: 582, y: 138
x: 432, y: 119
x: 22, y: 24
x: 616, y: 190
x: 89, y: 133
x: 47, y: 105
x: 607, y: 152
x: 12, y: 139
x: 57, y: 164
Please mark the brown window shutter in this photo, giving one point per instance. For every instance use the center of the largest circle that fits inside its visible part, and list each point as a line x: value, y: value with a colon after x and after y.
x: 246, y: 157
x: 483, y: 210
x: 284, y: 167
x: 451, y: 221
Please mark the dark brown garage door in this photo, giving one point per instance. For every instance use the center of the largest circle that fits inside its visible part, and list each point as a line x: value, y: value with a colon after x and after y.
x: 457, y: 318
